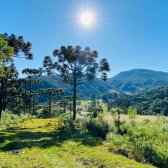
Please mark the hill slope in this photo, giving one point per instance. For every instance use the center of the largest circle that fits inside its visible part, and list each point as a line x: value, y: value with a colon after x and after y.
x: 150, y: 102
x: 41, y: 143
x: 82, y: 90
x: 133, y: 82
x: 138, y: 80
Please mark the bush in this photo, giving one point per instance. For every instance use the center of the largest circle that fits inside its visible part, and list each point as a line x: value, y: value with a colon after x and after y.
x: 65, y: 126
x: 9, y: 119
x: 44, y: 112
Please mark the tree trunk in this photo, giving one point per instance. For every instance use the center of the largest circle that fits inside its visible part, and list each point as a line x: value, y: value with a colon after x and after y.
x: 30, y: 98
x: 64, y: 107
x: 70, y: 107
x: 50, y: 106
x: 13, y: 103
x: 118, y: 117
x: 34, y: 105
x: 25, y: 99
x: 1, y: 97
x: 5, y: 94
x: 74, y: 96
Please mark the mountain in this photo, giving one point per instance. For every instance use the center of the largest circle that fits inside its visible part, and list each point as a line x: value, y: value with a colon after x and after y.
x: 85, y: 90
x: 148, y: 103
x: 127, y: 82
x: 138, y: 80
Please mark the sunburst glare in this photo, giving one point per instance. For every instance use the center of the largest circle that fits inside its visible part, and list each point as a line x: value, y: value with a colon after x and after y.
x: 86, y: 17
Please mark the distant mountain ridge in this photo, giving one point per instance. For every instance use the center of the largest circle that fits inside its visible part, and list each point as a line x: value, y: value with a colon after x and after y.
x: 138, y: 80
x: 83, y: 91
x: 142, y: 73
x: 129, y: 82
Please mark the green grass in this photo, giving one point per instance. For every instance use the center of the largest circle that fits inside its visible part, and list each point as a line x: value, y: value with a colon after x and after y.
x: 44, y: 145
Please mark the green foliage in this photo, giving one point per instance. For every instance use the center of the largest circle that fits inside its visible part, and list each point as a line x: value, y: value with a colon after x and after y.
x: 50, y: 93
x: 116, y: 142
x: 8, y: 119
x: 124, y: 106
x: 65, y: 118
x: 105, y: 98
x: 152, y: 102
x: 113, y: 114
x: 66, y: 126
x: 40, y: 142
x: 44, y: 112
x: 132, y: 114
x: 95, y: 111
x: 6, y: 53
x: 75, y: 67
x: 138, y: 80
x: 56, y: 111
x: 96, y: 126
x: 143, y: 141
x: 19, y: 46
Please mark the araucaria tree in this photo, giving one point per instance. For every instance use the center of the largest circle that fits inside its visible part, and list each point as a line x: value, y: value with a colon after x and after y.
x: 51, y: 92
x: 75, y: 67
x: 10, y: 47
x: 32, y: 73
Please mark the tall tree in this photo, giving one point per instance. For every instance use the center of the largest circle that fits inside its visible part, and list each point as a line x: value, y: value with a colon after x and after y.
x: 69, y: 98
x: 75, y: 67
x: 33, y: 74
x: 6, y: 53
x: 25, y: 82
x: 51, y: 92
x: 20, y: 47
x: 12, y: 47
x: 105, y: 98
x: 124, y: 106
x: 35, y: 94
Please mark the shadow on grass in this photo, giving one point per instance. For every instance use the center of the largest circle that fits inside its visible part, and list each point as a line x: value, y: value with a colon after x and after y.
x: 23, y: 138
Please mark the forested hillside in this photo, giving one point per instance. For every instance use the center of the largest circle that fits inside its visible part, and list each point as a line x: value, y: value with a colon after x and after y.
x: 84, y: 91
x: 138, y: 80
x: 127, y: 82
x: 148, y: 103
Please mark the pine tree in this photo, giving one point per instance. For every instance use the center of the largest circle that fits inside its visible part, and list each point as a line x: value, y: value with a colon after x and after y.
x: 75, y: 67
x: 33, y: 74
x: 12, y: 47
x: 51, y: 92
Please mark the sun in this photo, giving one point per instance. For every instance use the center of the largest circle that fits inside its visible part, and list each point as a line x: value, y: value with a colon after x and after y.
x: 86, y: 18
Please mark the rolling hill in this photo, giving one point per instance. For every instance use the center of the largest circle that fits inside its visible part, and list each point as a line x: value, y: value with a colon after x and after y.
x: 127, y: 82
x: 138, y: 80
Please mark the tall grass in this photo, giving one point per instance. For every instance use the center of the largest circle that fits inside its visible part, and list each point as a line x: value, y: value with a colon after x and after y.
x: 8, y: 119
x: 144, y: 141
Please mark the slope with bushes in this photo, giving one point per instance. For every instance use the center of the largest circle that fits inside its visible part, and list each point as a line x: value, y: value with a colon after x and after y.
x: 144, y: 141
x: 56, y: 143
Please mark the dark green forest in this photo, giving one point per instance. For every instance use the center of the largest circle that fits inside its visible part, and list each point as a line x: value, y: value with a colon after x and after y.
x: 151, y: 102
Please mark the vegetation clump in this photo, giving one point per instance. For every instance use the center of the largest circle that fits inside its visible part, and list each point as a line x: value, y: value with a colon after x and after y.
x: 37, y: 142
x: 10, y: 120
x: 144, y: 141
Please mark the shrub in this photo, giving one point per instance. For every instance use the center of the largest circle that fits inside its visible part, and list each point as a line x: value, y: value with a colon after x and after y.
x: 8, y: 119
x: 132, y: 114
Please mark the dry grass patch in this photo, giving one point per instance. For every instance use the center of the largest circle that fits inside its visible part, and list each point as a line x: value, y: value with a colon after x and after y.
x: 139, y: 118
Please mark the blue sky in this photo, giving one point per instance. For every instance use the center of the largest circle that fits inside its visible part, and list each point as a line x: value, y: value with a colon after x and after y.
x: 129, y: 33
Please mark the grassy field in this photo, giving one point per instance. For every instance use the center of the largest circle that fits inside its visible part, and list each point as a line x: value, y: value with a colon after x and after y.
x: 107, y: 115
x: 138, y: 118
x: 41, y: 143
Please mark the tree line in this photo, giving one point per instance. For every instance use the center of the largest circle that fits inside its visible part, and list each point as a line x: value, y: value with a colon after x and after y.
x: 151, y: 102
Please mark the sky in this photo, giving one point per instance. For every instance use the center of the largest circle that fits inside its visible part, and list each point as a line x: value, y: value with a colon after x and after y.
x: 128, y: 33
